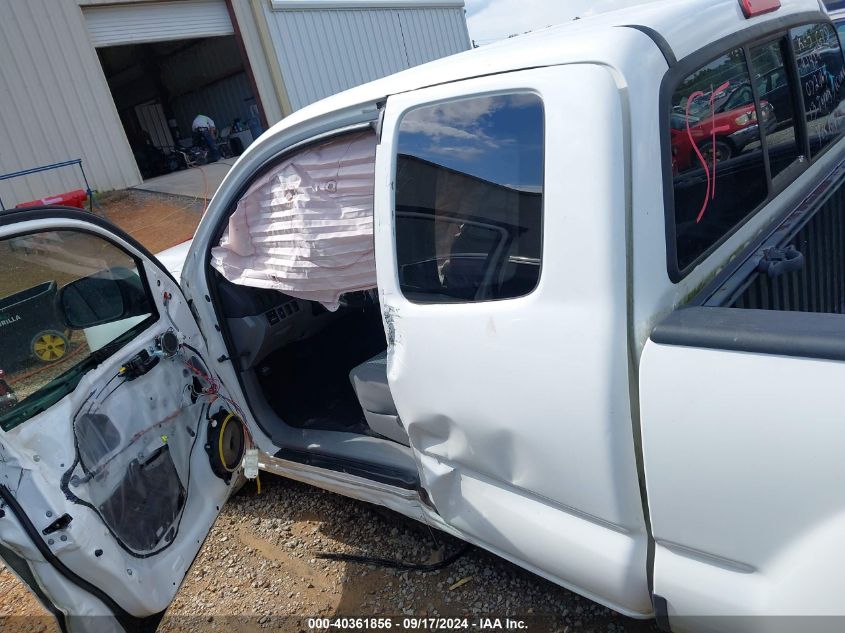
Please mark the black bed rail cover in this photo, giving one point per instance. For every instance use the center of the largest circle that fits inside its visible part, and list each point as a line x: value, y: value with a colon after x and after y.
x: 800, y: 334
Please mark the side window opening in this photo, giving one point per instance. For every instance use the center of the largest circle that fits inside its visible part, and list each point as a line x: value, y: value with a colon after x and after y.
x: 469, y: 199
x: 51, y: 282
x: 305, y: 226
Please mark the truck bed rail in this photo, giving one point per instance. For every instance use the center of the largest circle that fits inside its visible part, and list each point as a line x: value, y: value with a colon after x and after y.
x: 798, y: 266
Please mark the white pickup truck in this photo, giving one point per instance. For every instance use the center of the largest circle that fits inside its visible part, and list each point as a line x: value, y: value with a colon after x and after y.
x: 598, y: 330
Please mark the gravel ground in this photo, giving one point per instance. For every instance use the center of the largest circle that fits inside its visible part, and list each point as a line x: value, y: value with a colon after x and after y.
x: 258, y: 571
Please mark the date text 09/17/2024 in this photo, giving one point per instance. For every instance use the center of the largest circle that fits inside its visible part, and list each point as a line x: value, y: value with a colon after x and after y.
x: 417, y: 623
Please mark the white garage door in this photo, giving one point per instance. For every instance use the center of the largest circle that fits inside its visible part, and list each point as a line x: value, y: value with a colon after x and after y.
x: 157, y: 21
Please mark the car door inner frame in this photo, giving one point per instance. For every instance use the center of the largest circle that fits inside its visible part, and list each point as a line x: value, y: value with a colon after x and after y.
x: 130, y: 623
x: 363, y: 120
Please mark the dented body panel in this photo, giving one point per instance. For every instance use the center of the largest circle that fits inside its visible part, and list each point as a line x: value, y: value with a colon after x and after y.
x: 513, y: 454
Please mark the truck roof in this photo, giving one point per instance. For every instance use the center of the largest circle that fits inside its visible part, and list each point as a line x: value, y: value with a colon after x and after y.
x: 684, y: 25
x: 688, y: 25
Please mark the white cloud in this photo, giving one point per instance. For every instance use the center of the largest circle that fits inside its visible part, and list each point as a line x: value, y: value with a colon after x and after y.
x: 490, y: 20
x: 465, y: 120
x: 461, y: 153
x: 454, y: 120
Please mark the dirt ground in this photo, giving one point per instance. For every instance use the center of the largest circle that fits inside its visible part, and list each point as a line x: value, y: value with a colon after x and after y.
x: 157, y: 220
x: 259, y: 570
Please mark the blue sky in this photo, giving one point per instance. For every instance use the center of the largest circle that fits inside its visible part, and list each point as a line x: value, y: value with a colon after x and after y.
x: 490, y: 20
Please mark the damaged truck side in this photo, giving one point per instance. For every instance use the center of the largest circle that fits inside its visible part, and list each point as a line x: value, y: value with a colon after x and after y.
x: 576, y: 298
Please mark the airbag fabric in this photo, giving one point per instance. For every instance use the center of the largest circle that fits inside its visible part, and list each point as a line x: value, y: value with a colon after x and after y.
x: 306, y: 227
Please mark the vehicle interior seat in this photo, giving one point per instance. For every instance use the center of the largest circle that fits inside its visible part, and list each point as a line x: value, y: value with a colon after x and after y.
x: 369, y: 379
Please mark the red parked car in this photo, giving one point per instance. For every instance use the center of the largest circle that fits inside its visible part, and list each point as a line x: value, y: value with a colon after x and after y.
x: 735, y: 122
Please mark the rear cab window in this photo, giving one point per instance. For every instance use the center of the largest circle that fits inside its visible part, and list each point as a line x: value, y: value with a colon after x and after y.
x: 741, y: 127
x: 818, y: 54
x: 717, y: 158
x: 469, y: 199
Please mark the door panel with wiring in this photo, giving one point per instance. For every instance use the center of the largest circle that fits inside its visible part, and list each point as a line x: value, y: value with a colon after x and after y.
x: 134, y: 440
x: 119, y: 452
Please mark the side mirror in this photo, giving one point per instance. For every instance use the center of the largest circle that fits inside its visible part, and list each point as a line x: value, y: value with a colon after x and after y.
x: 108, y: 296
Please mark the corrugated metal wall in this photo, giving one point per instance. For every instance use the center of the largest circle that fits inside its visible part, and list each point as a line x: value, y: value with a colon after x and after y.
x: 264, y: 67
x: 433, y: 33
x: 201, y: 63
x: 324, y: 51
x: 152, y: 120
x: 56, y: 104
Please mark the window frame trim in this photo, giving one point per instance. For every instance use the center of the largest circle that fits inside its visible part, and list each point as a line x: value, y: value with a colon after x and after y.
x: 544, y: 163
x: 672, y: 79
x: 776, y: 184
x: 811, y: 158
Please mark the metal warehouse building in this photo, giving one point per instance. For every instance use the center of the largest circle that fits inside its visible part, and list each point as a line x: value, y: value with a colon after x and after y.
x: 101, y: 79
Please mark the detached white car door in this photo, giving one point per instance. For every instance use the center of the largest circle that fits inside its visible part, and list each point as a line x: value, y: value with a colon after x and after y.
x: 118, y: 445
x: 503, y: 319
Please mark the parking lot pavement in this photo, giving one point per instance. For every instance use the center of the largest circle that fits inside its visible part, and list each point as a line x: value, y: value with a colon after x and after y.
x: 197, y: 182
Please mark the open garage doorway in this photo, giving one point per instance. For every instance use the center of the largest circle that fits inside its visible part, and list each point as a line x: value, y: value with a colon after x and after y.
x: 159, y: 88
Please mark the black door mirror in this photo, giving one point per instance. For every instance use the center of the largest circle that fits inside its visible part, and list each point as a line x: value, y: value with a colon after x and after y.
x: 108, y: 296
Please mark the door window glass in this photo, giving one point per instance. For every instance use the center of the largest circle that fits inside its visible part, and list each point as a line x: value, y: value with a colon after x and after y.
x: 64, y: 295
x: 776, y: 99
x: 719, y: 176
x: 469, y: 199
x: 822, y: 71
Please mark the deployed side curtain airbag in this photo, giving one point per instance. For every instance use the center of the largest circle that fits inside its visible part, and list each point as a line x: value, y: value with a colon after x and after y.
x: 306, y: 227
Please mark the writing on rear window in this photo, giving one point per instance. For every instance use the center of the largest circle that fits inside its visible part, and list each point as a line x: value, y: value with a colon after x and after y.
x: 717, y: 159
x: 820, y: 65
